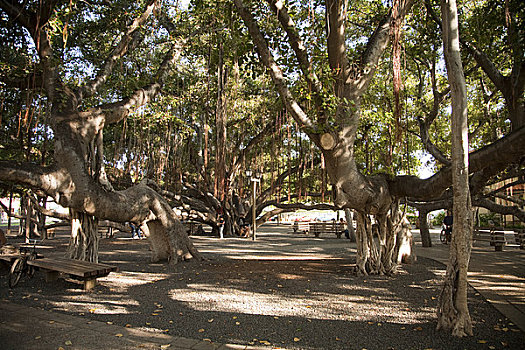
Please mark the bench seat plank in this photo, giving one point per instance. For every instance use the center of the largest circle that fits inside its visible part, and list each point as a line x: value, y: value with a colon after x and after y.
x: 73, y: 267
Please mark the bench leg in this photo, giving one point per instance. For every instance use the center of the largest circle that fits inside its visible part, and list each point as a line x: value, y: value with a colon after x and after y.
x: 89, y: 284
x: 498, y: 247
x: 52, y: 276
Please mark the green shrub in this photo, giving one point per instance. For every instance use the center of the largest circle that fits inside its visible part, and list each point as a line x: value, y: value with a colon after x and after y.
x: 489, y: 219
x: 438, y: 219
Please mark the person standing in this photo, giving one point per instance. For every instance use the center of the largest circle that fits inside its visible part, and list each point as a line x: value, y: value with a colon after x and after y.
x: 220, y: 223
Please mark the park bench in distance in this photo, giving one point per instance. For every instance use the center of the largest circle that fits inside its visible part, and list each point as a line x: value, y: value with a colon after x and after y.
x: 85, y: 271
x: 318, y: 228
x: 301, y: 227
x: 494, y: 235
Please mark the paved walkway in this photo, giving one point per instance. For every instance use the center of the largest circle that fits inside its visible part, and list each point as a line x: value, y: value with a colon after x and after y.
x: 498, y: 276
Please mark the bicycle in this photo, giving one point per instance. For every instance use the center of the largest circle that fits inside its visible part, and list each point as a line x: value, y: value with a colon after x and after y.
x: 20, y: 265
x: 446, y: 235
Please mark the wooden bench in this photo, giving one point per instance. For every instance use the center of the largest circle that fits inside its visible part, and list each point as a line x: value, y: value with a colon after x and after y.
x: 301, y: 227
x: 318, y: 228
x: 85, y: 271
x: 494, y: 235
x: 191, y: 227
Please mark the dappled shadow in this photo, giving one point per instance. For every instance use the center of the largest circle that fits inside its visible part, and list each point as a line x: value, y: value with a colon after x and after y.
x: 299, y: 301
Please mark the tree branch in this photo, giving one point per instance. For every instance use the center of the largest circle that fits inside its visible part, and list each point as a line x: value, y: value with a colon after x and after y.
x: 500, y: 209
x: 50, y: 180
x: 127, y: 41
x: 487, y: 161
x: 297, y: 45
x: 276, y: 73
x: 115, y: 112
x: 375, y: 48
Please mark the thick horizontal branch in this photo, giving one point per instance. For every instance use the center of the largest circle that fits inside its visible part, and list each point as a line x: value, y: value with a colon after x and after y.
x: 487, y: 161
x: 500, y: 209
x: 48, y: 180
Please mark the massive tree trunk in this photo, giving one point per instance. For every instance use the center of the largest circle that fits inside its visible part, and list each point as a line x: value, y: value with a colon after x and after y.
x: 453, y: 314
x: 367, y: 195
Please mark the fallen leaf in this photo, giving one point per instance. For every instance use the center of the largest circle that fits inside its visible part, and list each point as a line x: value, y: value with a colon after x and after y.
x: 171, y: 321
x: 336, y: 338
x: 128, y: 325
x: 201, y: 330
x: 237, y: 323
x: 109, y: 322
x: 296, y: 339
x: 51, y: 322
x: 418, y: 328
x: 210, y: 320
x: 481, y: 341
x: 265, y: 342
x: 234, y: 317
x: 154, y: 314
x: 492, y: 347
x: 119, y: 335
x: 60, y: 348
x: 165, y: 346
x: 148, y: 324
x: 68, y: 342
x: 403, y: 328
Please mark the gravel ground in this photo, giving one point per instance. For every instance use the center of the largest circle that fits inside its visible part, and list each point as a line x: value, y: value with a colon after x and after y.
x: 294, y: 304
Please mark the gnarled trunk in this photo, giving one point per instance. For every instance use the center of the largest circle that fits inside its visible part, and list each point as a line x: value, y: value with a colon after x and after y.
x: 383, y: 245
x: 83, y: 243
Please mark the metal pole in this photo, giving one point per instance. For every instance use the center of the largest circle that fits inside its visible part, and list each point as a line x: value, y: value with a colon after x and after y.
x: 9, y: 214
x: 254, y: 209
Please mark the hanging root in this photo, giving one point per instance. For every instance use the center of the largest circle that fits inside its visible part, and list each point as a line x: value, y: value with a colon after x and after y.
x: 382, y: 246
x: 83, y: 243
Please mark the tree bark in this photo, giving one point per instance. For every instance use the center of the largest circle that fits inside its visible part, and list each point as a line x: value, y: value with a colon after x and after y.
x: 453, y: 313
x: 83, y: 244
x: 424, y: 229
x: 349, y: 215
